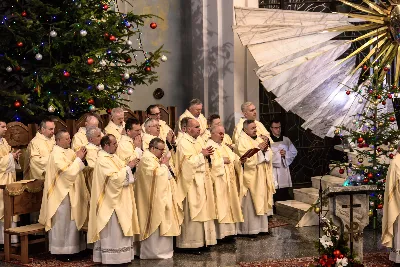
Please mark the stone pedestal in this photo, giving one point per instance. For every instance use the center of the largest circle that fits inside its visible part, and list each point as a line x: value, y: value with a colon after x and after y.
x: 348, y: 207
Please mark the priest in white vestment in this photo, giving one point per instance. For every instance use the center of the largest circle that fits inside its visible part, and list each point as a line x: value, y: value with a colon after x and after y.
x: 153, y: 112
x: 130, y: 145
x: 194, y: 190
x: 183, y: 125
x: 8, y: 163
x: 222, y: 170
x: 391, y: 211
x: 93, y: 135
x: 65, y: 198
x: 158, y: 218
x: 249, y: 113
x: 212, y: 121
x: 283, y: 154
x: 116, y: 125
x: 194, y: 111
x: 38, y: 151
x: 257, y: 181
x: 112, y: 217
x: 80, y: 139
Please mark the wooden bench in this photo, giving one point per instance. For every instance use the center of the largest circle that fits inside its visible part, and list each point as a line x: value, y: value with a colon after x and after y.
x: 22, y: 198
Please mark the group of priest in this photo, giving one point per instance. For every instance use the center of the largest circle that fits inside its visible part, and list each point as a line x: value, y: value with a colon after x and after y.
x: 135, y: 187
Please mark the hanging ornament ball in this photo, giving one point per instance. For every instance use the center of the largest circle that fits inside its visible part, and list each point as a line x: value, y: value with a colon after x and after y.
x: 103, y: 63
x: 391, y: 149
x: 337, y: 132
x: 153, y: 25
x: 20, y: 44
x: 379, y: 96
x: 380, y: 124
x: 360, y: 160
x: 17, y: 104
x: 9, y: 69
x: 360, y: 145
x: 90, y: 61
x: 380, y: 206
x: 148, y: 69
x: 383, y: 102
x: 389, y: 96
x: 66, y: 74
x: 379, y: 149
x: 127, y: 24
x: 366, y: 180
x: 92, y: 108
x: 365, y: 67
x: 128, y: 60
x: 17, y: 68
x: 51, y: 109
x: 360, y: 140
x: 106, y: 35
x: 90, y: 101
x: 83, y: 33
x: 360, y: 100
x: 341, y: 171
x: 105, y: 7
x: 337, y: 253
x: 164, y: 58
x: 109, y: 110
x: 112, y: 38
x: 348, y: 92
x: 53, y: 34
x: 126, y: 76
x: 130, y: 91
x: 100, y: 87
x: 129, y: 42
x: 23, y: 13
x: 370, y: 213
x: 317, y: 210
x: 392, y: 119
x: 371, y: 203
x: 370, y: 175
x: 38, y: 56
x: 391, y: 155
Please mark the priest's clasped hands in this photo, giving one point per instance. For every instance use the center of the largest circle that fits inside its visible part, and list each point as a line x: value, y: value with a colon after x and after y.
x: 263, y: 146
x: 207, y: 151
x: 133, y: 163
x: 81, y: 153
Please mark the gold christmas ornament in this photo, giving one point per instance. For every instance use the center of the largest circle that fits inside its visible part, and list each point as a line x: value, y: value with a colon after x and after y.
x: 317, y: 210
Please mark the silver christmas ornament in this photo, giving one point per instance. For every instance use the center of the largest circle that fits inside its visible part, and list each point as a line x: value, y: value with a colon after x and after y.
x: 38, y: 56
x: 92, y: 108
x: 129, y: 42
x: 53, y: 34
x: 83, y: 33
x: 164, y: 58
x: 51, y: 109
x: 126, y: 76
x: 9, y: 69
x: 360, y: 100
x: 130, y: 91
x: 100, y: 87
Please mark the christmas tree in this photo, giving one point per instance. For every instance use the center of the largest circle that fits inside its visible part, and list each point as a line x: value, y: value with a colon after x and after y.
x: 374, y: 135
x: 68, y: 57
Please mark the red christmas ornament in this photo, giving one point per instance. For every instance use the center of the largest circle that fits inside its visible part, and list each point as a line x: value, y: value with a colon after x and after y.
x: 366, y: 180
x: 380, y: 206
x: 128, y: 60
x: 392, y: 119
x: 336, y: 253
x: 370, y: 175
x: 370, y: 92
x: 365, y: 67
x: 112, y: 38
x: 17, y: 68
x: 148, y: 69
x: 379, y: 149
x: 341, y: 171
x: 391, y: 155
x: 379, y: 97
x: 360, y: 145
x: 106, y: 35
x: 347, y: 92
x: 66, y: 74
x: 90, y: 101
x: 341, y: 256
x: 90, y: 61
x: 17, y: 104
x: 105, y: 7
x: 360, y: 140
x: 109, y: 111
x: 383, y: 102
x: 20, y: 44
x: 389, y: 96
x: 153, y: 25
x: 23, y: 13
x: 386, y: 69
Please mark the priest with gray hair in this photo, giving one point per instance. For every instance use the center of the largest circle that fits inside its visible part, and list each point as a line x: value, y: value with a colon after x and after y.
x: 116, y: 125
x: 80, y: 140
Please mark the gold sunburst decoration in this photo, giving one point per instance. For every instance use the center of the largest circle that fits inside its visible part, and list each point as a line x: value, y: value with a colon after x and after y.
x: 382, y: 23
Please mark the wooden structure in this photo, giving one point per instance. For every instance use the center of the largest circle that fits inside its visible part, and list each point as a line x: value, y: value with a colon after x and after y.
x: 22, y: 198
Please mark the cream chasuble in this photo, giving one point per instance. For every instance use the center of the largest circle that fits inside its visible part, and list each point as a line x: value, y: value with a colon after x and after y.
x: 79, y: 140
x: 227, y: 139
x: 37, y: 156
x: 164, y: 129
x: 7, y: 171
x: 201, y: 119
x: 391, y: 210
x: 257, y: 177
x: 126, y: 150
x: 154, y: 198
x: 225, y: 187
x: 91, y: 155
x: 64, y: 177
x: 110, y: 194
x: 261, y: 130
x: 115, y: 130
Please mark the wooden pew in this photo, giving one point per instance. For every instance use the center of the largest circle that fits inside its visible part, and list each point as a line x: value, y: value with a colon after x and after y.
x: 22, y: 198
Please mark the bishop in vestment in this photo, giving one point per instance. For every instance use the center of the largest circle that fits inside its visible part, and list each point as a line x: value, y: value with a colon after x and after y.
x: 226, y: 190
x: 38, y: 151
x: 257, y: 181
x: 80, y: 139
x: 116, y: 124
x: 194, y: 190
x: 391, y: 211
x: 65, y: 197
x: 158, y: 214
x: 8, y: 160
x: 153, y: 112
x: 113, y: 216
x: 194, y: 112
x: 249, y: 113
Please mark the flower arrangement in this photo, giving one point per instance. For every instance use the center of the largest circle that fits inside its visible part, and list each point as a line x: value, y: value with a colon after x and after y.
x: 333, y: 248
